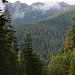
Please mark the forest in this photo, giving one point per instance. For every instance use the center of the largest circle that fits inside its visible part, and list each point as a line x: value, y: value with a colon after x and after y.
x: 24, y: 58
x: 47, y: 35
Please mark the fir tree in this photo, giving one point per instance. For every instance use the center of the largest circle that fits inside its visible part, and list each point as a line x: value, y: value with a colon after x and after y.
x: 8, y: 49
x: 70, y: 40
x: 30, y: 62
x: 4, y: 1
x: 64, y: 62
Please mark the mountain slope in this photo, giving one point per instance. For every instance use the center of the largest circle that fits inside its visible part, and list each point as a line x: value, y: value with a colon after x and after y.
x: 47, y: 34
x: 17, y: 9
x: 22, y: 13
x: 64, y: 62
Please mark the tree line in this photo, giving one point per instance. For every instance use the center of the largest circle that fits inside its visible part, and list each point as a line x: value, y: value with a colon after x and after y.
x: 27, y: 62
x: 12, y: 60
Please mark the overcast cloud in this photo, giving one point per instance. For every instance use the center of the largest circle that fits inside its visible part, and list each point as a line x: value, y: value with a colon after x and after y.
x: 33, y: 1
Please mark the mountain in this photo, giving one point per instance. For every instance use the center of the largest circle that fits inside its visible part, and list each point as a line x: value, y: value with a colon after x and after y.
x: 17, y: 9
x: 47, y: 34
x: 22, y: 13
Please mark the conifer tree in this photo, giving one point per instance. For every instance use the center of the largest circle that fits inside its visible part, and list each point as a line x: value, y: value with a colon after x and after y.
x: 64, y: 62
x: 70, y: 40
x: 30, y: 62
x: 4, y: 1
x: 3, y: 58
x: 8, y: 49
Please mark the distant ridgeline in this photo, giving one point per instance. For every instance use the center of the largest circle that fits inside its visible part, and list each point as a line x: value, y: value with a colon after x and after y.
x: 47, y: 34
x: 13, y: 61
x: 22, y: 13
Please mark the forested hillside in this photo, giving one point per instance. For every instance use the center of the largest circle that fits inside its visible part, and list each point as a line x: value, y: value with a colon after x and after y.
x: 64, y: 62
x: 45, y: 37
x: 12, y: 60
x: 8, y: 48
x: 48, y: 34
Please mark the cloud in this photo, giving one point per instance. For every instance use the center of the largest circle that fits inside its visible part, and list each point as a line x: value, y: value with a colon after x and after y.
x: 2, y: 7
x: 47, y: 5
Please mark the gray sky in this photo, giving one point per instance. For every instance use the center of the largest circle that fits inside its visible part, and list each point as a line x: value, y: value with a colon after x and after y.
x: 33, y: 1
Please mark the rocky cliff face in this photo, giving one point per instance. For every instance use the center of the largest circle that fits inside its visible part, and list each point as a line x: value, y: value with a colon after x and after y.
x: 23, y: 13
x: 17, y: 9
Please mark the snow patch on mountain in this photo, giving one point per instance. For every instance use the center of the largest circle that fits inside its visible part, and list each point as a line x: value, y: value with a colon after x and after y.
x: 47, y: 6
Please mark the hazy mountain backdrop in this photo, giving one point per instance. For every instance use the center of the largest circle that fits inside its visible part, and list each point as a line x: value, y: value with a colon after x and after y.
x: 47, y: 34
x: 22, y: 13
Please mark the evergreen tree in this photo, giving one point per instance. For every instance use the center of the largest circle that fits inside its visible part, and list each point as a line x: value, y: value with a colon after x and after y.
x: 8, y: 49
x: 4, y: 1
x: 64, y: 62
x: 3, y: 54
x: 30, y: 62
x: 70, y: 40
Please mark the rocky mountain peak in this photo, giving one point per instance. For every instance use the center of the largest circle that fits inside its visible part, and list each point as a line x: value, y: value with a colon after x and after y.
x: 36, y: 11
x: 17, y: 2
x: 63, y: 4
x: 38, y: 3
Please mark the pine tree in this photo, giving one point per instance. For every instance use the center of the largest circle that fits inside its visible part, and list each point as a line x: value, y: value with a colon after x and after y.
x: 30, y: 62
x: 70, y: 40
x: 64, y: 62
x: 4, y: 1
x: 3, y: 58
x: 8, y: 49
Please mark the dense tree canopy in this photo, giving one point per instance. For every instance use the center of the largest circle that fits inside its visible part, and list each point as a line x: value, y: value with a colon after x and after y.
x: 64, y: 62
x: 47, y: 34
x: 8, y: 49
x: 30, y: 62
x: 26, y: 61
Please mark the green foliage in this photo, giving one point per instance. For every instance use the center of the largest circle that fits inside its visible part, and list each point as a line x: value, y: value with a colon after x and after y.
x: 47, y: 37
x: 64, y: 62
x: 8, y: 50
x: 30, y: 62
x: 47, y: 34
x: 27, y: 62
